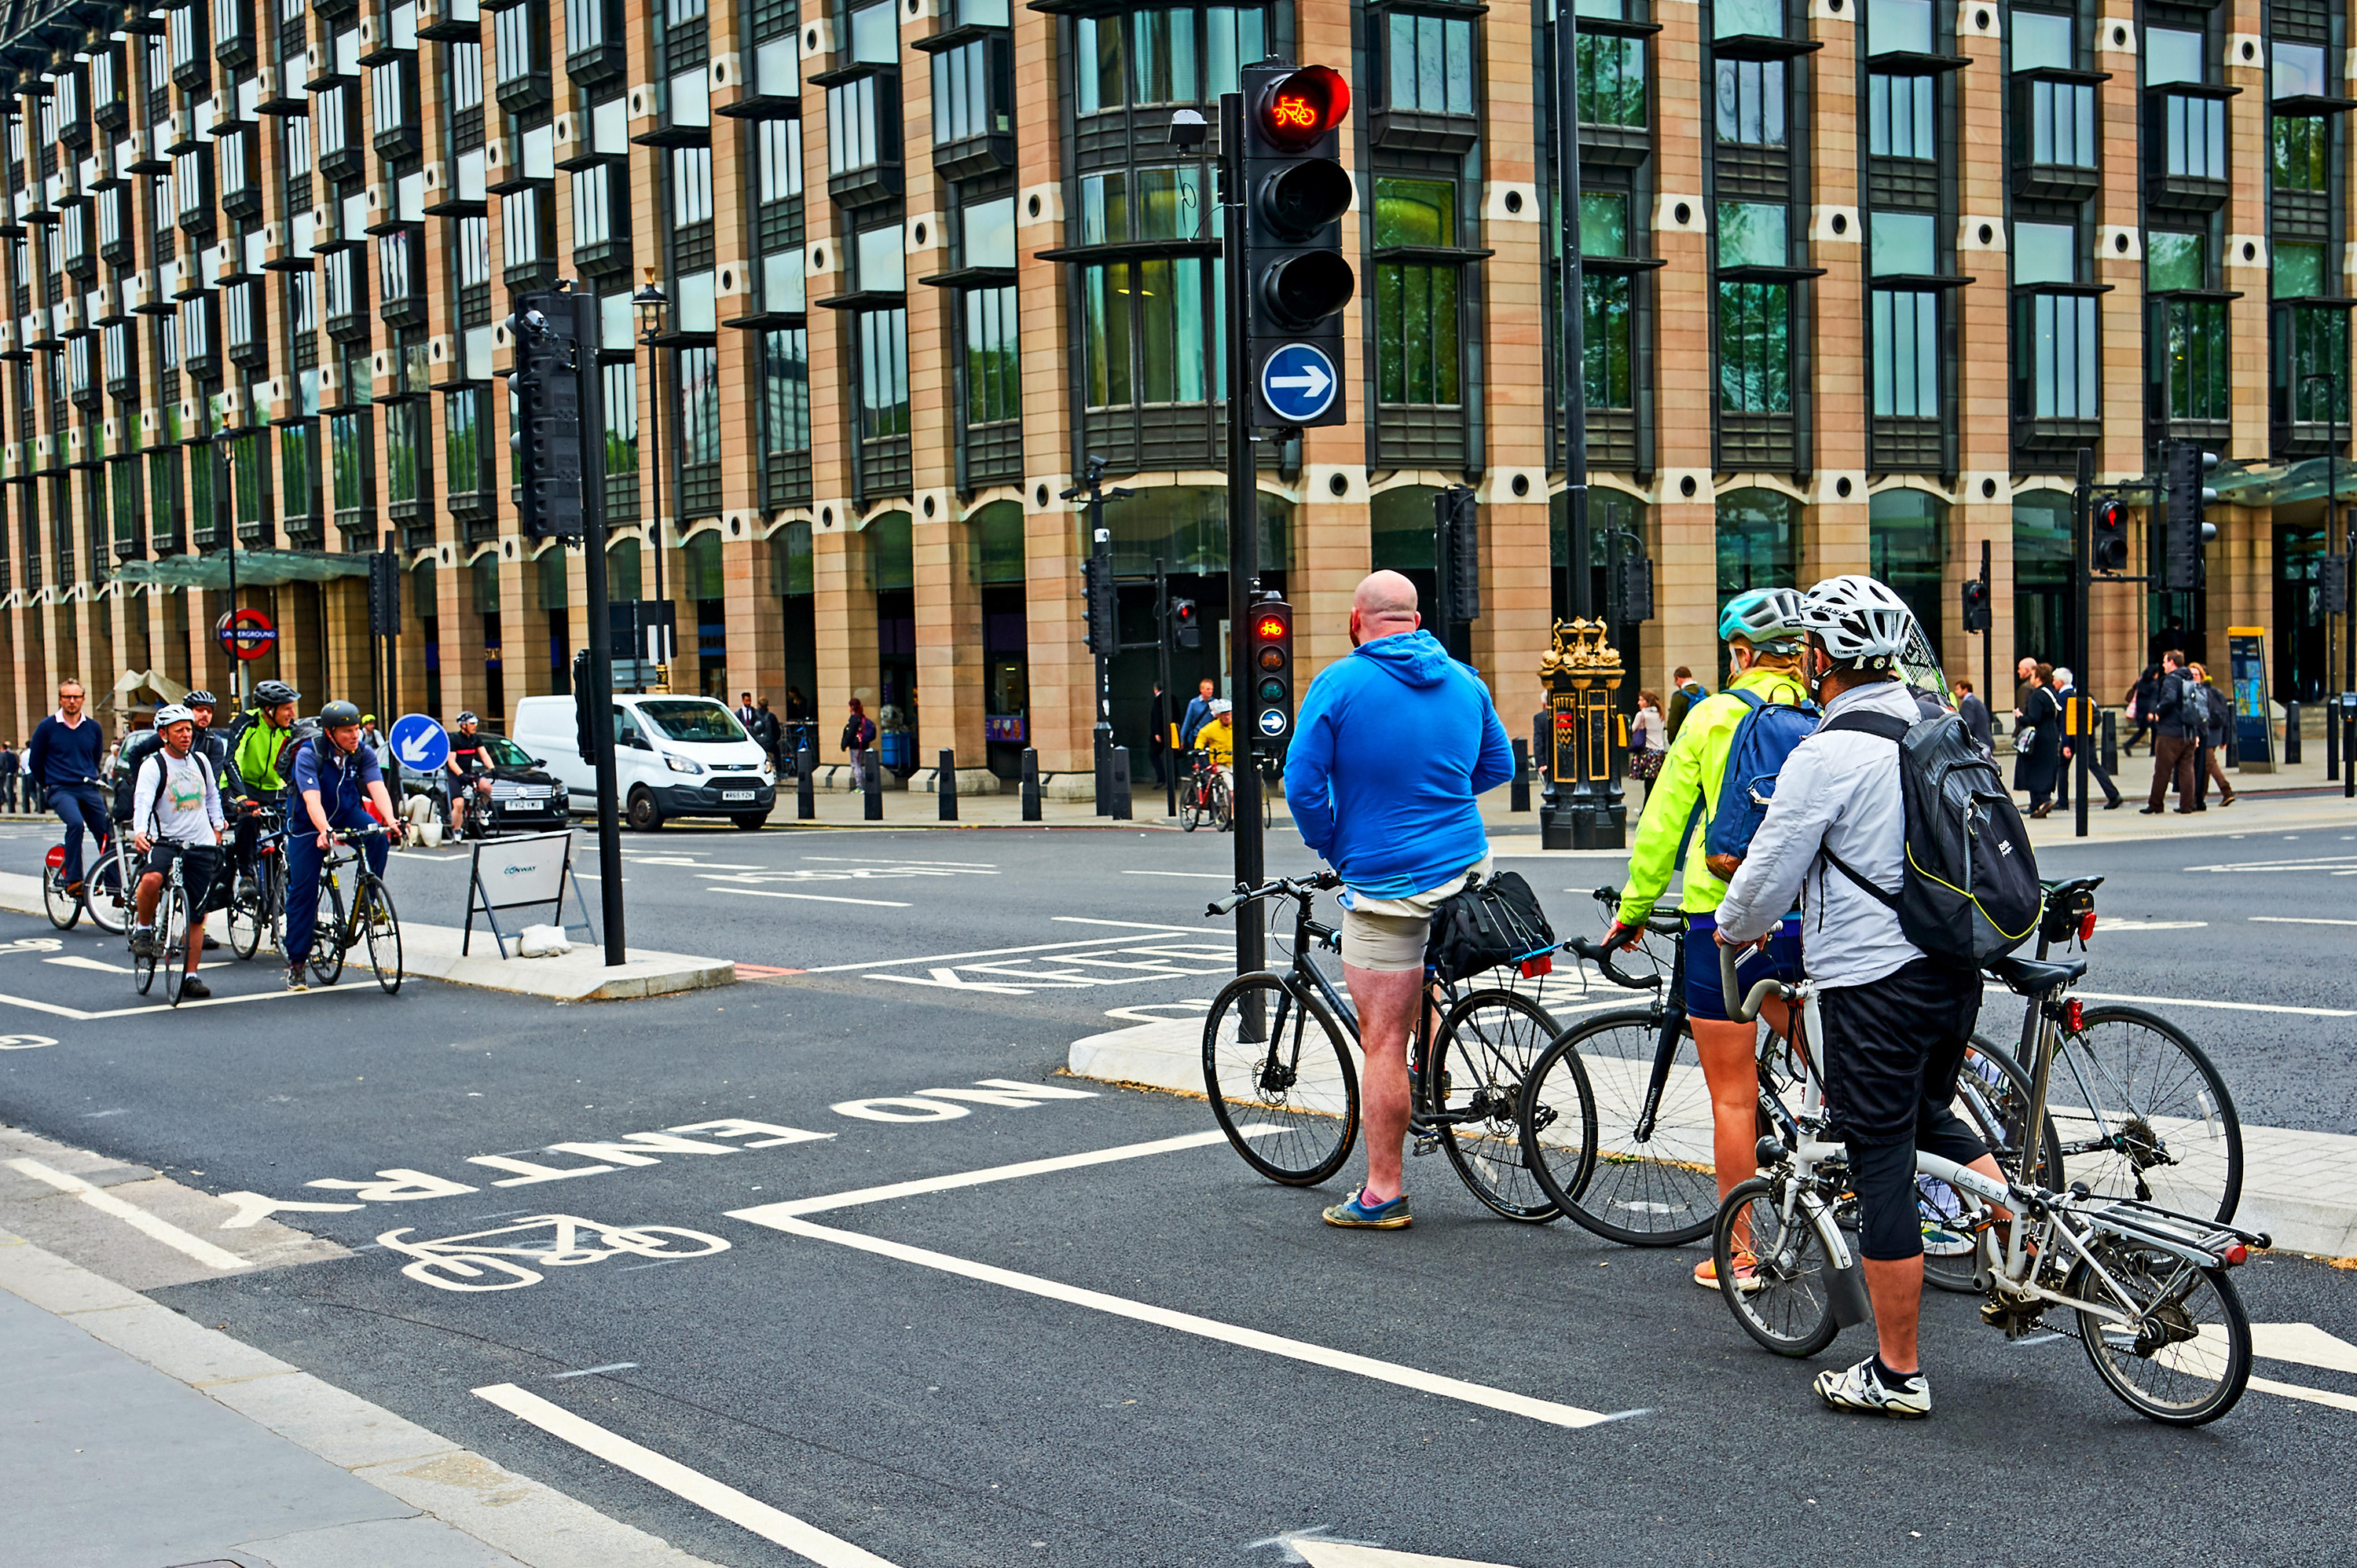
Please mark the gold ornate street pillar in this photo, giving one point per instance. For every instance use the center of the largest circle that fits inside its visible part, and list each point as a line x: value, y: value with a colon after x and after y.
x: 1583, y: 807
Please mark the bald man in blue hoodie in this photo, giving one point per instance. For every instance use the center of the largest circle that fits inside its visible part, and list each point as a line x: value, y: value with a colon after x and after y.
x: 1392, y: 746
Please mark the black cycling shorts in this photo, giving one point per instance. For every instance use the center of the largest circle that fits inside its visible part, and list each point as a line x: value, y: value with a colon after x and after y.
x: 1893, y: 1049
x: 197, y: 862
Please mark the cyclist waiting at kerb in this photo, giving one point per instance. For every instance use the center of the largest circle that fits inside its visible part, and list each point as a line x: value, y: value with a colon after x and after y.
x: 1763, y: 633
x: 1392, y: 746
x: 63, y: 760
x: 176, y: 814
x: 465, y: 759
x: 335, y: 777
x: 1894, y: 1021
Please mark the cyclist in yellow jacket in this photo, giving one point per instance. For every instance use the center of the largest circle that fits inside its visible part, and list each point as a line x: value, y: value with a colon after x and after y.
x: 1765, y: 645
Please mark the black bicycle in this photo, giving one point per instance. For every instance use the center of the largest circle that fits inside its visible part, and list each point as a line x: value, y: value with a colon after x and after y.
x: 371, y: 919
x: 1283, y: 1083
x: 257, y: 898
x: 167, y: 945
x: 1202, y: 794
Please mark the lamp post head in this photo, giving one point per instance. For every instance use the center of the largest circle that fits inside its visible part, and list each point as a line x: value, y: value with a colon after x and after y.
x: 650, y: 303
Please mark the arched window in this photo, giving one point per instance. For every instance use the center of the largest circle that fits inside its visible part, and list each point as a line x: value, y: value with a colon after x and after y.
x: 2042, y: 622
x: 1906, y: 546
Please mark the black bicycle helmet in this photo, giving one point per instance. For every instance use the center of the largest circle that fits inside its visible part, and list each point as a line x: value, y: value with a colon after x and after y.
x: 469, y: 718
x: 339, y: 716
x: 271, y: 693
x: 201, y: 700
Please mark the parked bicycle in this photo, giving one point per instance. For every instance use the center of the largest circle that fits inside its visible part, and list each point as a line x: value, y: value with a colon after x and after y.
x: 2151, y: 1298
x: 1283, y: 1083
x: 1202, y: 795
x: 370, y: 919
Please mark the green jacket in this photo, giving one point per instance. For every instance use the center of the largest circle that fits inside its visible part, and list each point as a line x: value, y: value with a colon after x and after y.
x: 1691, y: 772
x: 256, y: 757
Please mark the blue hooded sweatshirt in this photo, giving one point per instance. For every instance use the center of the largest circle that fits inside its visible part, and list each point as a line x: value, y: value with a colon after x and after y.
x: 1391, y: 746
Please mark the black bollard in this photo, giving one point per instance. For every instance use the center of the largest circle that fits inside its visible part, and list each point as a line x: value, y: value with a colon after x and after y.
x: 2291, y: 735
x: 1030, y: 785
x: 1117, y: 784
x: 945, y: 786
x: 2331, y: 740
x: 805, y: 785
x: 874, y: 776
x: 1518, y: 798
x: 2111, y: 741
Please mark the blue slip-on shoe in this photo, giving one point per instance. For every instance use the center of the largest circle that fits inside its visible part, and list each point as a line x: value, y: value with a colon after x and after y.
x: 1358, y: 1214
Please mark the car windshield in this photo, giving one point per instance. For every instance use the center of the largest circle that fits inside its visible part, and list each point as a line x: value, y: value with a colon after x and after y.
x: 501, y: 752
x: 693, y: 721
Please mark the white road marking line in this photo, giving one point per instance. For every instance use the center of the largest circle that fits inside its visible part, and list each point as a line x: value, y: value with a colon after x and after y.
x: 810, y: 898
x: 105, y: 1202
x: 75, y: 960
x: 2204, y: 1001
x: 767, y: 1212
x: 1353, y: 1554
x: 933, y: 865
x: 1192, y: 875
x: 1197, y: 930
x: 978, y: 952
x: 2305, y: 1344
x: 2301, y: 1392
x: 593, y: 1371
x: 76, y: 1014
x: 2298, y: 921
x: 749, y: 1513
x: 1391, y: 1372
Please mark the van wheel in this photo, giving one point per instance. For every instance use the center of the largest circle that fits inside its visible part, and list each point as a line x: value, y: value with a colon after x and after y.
x: 749, y: 822
x: 644, y: 816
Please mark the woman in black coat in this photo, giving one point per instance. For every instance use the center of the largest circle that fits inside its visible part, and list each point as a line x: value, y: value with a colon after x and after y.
x: 2037, y: 765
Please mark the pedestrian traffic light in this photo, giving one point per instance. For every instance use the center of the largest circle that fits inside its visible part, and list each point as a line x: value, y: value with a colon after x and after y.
x: 1271, y: 675
x: 585, y: 713
x: 1096, y: 580
x: 1977, y: 605
x: 384, y: 594
x: 1187, y: 622
x: 545, y: 411
x: 1457, y: 550
x: 1298, y: 277
x: 1636, y: 589
x: 2183, y: 532
x: 2107, y: 545
x: 2332, y: 583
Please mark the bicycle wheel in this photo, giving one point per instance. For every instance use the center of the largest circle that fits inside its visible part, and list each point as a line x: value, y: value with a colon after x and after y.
x: 1220, y: 807
x: 106, y: 895
x: 1993, y: 1097
x: 248, y: 918
x: 327, y: 933
x: 1657, y: 1190
x: 143, y: 965
x: 63, y: 908
x: 1482, y: 1056
x: 381, y: 927
x: 1190, y: 809
x: 1281, y: 1082
x: 274, y: 900
x: 2143, y: 1114
x: 172, y: 937
x: 1788, y: 1304
x: 2184, y: 1356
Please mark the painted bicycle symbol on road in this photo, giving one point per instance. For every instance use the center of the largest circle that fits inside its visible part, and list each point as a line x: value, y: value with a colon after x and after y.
x: 475, y: 1261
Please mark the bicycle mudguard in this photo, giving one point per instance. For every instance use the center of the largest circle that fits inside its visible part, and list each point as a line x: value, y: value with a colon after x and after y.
x: 1845, y: 1286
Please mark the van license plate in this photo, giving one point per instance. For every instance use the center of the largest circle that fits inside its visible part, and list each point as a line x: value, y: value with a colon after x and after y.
x: 736, y: 794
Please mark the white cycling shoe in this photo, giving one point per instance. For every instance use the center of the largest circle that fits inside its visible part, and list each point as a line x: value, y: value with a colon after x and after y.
x: 1861, y: 1388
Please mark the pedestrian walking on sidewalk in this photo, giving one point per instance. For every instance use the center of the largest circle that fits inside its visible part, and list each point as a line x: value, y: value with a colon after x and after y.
x: 1158, y: 735
x: 9, y: 763
x: 2038, y: 741
x: 1975, y: 716
x: 1685, y: 692
x: 2177, y: 737
x: 1649, y: 743
x: 859, y: 734
x: 2077, y: 729
x: 2217, y: 736
x: 2141, y: 698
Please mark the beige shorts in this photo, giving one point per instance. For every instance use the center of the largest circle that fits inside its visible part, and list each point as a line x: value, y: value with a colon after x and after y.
x: 1388, y: 935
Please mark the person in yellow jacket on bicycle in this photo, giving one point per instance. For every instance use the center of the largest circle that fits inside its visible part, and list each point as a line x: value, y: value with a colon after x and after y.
x: 1765, y: 644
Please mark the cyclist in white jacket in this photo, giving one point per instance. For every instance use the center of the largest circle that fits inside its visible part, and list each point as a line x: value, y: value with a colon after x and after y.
x: 1894, y: 1022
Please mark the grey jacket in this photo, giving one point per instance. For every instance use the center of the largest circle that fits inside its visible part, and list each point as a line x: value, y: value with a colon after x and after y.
x: 1838, y: 791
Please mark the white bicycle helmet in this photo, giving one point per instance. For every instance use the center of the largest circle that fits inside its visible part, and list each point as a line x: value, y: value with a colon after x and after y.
x: 1773, y: 620
x: 1860, y: 621
x: 172, y: 713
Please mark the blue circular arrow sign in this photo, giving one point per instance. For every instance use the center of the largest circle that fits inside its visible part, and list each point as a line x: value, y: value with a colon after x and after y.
x: 1272, y: 723
x: 419, y: 743
x: 1298, y: 382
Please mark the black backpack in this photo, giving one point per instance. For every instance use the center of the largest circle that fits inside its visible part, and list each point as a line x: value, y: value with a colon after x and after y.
x: 1970, y: 893
x: 1486, y: 924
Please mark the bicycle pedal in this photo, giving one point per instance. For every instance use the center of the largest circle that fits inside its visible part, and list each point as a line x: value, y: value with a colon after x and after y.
x: 1425, y: 1144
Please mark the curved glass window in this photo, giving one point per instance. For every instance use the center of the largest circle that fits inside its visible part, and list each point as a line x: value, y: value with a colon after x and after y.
x: 1907, y: 535
x: 1759, y: 542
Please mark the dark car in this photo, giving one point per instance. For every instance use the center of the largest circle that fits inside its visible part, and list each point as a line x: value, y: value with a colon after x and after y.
x: 523, y: 798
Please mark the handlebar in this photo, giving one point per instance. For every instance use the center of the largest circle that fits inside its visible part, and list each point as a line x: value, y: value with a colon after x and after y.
x: 1281, y: 887
x: 1601, y: 956
x: 1743, y: 1012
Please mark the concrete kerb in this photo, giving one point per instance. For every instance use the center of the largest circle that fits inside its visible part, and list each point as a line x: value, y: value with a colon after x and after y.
x: 431, y: 952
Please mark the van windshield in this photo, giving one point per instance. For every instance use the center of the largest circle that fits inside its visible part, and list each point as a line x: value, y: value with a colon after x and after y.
x: 693, y: 721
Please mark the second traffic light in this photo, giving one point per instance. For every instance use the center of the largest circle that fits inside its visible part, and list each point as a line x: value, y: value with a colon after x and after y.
x: 545, y: 440
x: 1456, y: 552
x: 1296, y: 271
x: 1977, y: 605
x: 1270, y: 679
x: 1104, y: 605
x: 1187, y: 623
x: 2107, y: 543
x: 2183, y: 531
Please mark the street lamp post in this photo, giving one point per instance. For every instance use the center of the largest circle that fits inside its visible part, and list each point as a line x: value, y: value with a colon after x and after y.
x: 2337, y: 714
x: 650, y: 304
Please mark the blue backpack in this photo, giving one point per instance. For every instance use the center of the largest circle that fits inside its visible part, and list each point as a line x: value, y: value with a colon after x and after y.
x: 1766, y: 736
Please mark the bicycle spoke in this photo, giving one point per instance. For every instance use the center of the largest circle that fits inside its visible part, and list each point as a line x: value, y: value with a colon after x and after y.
x: 1659, y: 1189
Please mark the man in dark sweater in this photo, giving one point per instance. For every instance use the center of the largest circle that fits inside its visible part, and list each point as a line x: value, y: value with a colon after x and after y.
x: 64, y: 758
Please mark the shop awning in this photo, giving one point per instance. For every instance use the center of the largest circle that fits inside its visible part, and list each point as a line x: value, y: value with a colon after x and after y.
x: 256, y: 568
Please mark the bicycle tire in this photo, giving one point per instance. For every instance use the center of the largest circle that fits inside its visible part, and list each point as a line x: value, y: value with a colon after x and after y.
x: 1996, y: 1118
x: 1789, y: 1307
x: 380, y: 927
x: 172, y: 936
x: 1190, y: 811
x: 246, y: 916
x: 1313, y: 1107
x: 108, y: 900
x: 1221, y: 808
x: 1481, y: 1056
x: 273, y: 896
x: 143, y: 971
x: 327, y: 933
x: 2219, y: 1351
x: 1663, y: 1191
x: 2168, y: 1111
x: 55, y: 898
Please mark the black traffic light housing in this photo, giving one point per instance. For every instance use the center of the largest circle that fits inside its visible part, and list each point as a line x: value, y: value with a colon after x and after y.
x: 2107, y: 543
x: 1103, y: 626
x: 1268, y: 685
x: 1187, y: 623
x: 1977, y: 605
x: 1636, y: 589
x: 2332, y: 585
x: 1298, y: 275
x: 1456, y: 554
x: 384, y: 594
x: 547, y: 440
x: 2183, y: 532
x: 586, y: 702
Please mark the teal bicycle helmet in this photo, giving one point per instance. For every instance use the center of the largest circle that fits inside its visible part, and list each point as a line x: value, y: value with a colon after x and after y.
x: 1770, y: 619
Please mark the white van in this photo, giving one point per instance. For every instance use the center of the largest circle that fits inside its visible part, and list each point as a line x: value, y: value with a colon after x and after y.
x: 674, y: 756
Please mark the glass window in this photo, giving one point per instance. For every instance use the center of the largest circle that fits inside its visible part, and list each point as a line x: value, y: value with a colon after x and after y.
x: 1432, y: 64
x: 1150, y: 333
x: 962, y: 105
x: 2045, y: 253
x: 2042, y: 41
x: 1759, y: 542
x: 1906, y: 354
x: 1603, y: 224
x: 2057, y: 357
x: 993, y: 391
x: 2063, y: 124
x: 2176, y: 260
x: 1755, y: 359
x: 1751, y: 234
x: 1415, y: 212
x: 1233, y: 40
x: 1099, y: 55
x: 2314, y: 343
x: 883, y: 373
x: 1906, y: 547
x: 1606, y: 323
x: 2201, y: 361
x: 2298, y: 271
x: 1169, y: 203
x: 875, y: 40
x: 2193, y: 131
x: 2171, y: 54
x: 989, y: 233
x: 2298, y: 72
x: 465, y: 450
x: 780, y: 158
x: 785, y: 391
x: 882, y: 259
x: 1751, y: 96
x: 1898, y: 26
x: 1899, y: 117
x: 1611, y: 80
x: 691, y: 186
x: 1162, y: 57
x: 852, y: 142
x: 1748, y: 19
x: 2302, y: 147
x: 1906, y: 242
x: 699, y: 406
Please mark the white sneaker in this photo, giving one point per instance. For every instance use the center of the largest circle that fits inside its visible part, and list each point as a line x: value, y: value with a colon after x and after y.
x: 1861, y: 1388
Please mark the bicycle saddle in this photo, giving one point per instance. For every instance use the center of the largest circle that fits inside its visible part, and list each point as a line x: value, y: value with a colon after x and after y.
x: 2029, y: 977
x: 2058, y: 890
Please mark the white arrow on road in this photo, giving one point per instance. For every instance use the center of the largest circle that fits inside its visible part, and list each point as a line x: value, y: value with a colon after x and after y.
x: 1312, y: 380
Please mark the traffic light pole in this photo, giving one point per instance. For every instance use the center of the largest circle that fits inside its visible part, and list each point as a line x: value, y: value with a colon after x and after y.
x: 2083, y: 711
x: 1162, y: 667
x: 1244, y: 529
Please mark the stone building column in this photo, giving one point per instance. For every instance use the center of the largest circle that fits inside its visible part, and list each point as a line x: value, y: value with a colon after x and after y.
x: 1683, y: 522
x: 1835, y: 528
x: 844, y: 584
x: 1984, y: 512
